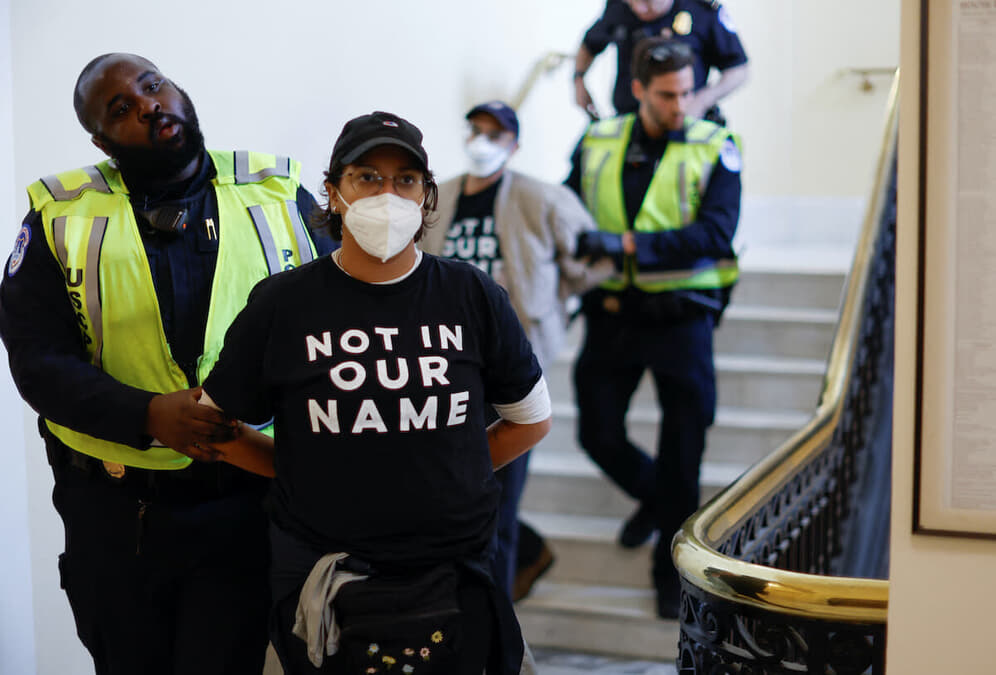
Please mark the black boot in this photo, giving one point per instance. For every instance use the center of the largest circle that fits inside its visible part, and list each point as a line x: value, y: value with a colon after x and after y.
x: 638, y: 528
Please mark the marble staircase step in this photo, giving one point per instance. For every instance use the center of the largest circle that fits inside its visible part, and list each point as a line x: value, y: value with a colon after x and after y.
x: 586, y: 550
x: 567, y: 481
x: 755, y: 329
x: 763, y: 382
x: 773, y: 332
x: 597, y: 619
x: 743, y: 381
x: 739, y: 435
x: 768, y: 285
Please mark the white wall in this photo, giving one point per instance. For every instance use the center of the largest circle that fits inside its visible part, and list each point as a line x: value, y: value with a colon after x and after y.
x: 942, y: 589
x: 17, y: 616
x: 810, y: 132
x: 286, y: 80
x: 284, y: 77
x: 805, y: 120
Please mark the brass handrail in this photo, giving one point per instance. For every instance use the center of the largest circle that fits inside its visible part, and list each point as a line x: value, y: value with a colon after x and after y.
x: 867, y: 73
x: 842, y: 599
x: 544, y: 65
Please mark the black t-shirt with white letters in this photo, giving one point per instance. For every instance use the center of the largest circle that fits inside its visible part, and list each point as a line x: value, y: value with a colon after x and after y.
x: 471, y: 236
x: 378, y: 394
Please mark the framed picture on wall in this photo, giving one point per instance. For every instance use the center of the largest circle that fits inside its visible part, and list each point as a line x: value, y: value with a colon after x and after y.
x: 955, y: 435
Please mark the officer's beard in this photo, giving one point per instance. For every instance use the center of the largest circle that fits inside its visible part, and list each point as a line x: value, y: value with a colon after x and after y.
x: 160, y: 162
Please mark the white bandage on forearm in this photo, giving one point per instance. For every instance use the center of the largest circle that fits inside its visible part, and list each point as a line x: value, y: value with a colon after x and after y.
x: 535, y: 407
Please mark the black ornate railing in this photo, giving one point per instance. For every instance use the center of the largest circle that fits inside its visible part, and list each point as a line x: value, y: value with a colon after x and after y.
x: 756, y: 562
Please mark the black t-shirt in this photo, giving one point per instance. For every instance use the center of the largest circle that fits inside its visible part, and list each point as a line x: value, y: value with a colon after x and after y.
x: 708, y: 31
x: 471, y: 237
x: 379, y: 395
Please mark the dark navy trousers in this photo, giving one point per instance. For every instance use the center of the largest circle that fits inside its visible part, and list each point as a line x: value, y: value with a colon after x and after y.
x: 164, y: 581
x: 678, y: 355
x: 512, y: 478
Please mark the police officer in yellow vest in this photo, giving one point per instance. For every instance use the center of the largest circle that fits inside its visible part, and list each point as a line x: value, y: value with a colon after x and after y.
x: 665, y: 192
x: 115, y: 302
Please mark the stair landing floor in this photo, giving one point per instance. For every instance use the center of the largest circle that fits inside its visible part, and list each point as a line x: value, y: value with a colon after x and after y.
x: 559, y: 662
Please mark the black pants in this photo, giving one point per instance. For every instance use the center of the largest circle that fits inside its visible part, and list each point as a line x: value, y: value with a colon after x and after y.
x: 477, y: 625
x: 183, y: 589
x: 678, y: 354
x: 512, y: 478
x: 516, y: 544
x: 490, y: 640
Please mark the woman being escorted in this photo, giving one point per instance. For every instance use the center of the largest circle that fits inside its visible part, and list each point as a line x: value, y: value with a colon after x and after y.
x: 378, y: 365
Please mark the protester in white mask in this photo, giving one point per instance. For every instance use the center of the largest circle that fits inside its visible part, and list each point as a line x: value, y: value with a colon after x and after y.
x: 380, y: 190
x: 383, y: 225
x: 523, y: 233
x: 487, y: 156
x: 493, y: 135
x: 380, y: 366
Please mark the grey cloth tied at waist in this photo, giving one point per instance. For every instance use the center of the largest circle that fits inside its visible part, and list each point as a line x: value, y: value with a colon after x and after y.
x: 314, y: 619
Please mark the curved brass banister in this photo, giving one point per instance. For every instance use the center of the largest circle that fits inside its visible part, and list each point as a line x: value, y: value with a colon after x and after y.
x: 544, y: 65
x: 841, y: 599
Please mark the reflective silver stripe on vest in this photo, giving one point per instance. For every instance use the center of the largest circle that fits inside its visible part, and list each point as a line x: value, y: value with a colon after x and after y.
x: 300, y: 232
x: 242, y: 175
x: 59, y: 234
x: 607, y: 128
x: 707, y: 139
x: 265, y: 238
x: 707, y: 168
x: 683, y: 205
x: 681, y: 275
x: 92, y: 273
x: 598, y: 178
x: 61, y: 194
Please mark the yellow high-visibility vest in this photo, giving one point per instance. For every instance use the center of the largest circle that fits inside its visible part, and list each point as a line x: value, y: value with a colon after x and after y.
x: 91, y: 230
x: 672, y: 199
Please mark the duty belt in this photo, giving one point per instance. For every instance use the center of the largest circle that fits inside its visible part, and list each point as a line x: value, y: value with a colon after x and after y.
x: 198, y: 482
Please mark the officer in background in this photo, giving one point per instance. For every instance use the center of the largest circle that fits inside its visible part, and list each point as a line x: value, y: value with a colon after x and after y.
x: 116, y: 298
x: 664, y: 189
x: 703, y: 25
x: 523, y: 233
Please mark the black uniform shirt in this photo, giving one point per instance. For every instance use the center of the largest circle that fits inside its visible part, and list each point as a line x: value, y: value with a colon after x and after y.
x: 709, y: 32
x: 182, y: 262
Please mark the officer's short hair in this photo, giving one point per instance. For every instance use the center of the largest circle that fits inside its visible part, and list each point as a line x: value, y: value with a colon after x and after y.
x: 656, y: 56
x: 78, y: 102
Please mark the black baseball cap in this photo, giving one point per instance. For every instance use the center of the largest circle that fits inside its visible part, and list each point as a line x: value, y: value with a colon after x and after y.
x: 501, y: 111
x: 378, y: 128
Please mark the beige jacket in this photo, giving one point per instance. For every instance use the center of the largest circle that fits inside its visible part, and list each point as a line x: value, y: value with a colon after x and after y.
x: 537, y: 224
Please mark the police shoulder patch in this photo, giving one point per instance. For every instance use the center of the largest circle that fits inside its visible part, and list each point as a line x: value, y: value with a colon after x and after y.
x: 729, y: 156
x: 20, y: 249
x: 726, y: 21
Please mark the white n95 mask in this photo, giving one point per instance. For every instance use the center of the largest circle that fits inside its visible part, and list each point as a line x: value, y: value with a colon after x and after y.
x: 383, y: 224
x: 485, y: 157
